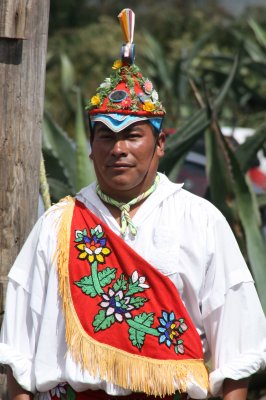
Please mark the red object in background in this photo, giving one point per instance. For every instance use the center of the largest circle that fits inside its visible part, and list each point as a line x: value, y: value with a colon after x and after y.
x: 257, y: 177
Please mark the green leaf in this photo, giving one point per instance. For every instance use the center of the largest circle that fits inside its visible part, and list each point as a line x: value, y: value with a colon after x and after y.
x: 255, y: 52
x: 87, y: 286
x: 101, y: 322
x: 250, y: 219
x: 84, y: 166
x: 58, y: 188
x: 260, y: 33
x: 134, y: 288
x: 57, y: 145
x: 80, y: 235
x: 145, y: 319
x: 106, y: 276
x: 156, y: 60
x: 136, y: 337
x: 121, y: 283
x: 231, y: 193
x: 247, y: 151
x: 222, y: 188
x: 179, y: 144
x: 70, y: 393
x: 261, y: 199
x: 79, y: 239
x: 138, y: 301
x: 223, y: 93
x: 67, y: 73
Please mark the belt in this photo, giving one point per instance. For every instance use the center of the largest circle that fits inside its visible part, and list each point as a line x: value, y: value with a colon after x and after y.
x: 65, y: 391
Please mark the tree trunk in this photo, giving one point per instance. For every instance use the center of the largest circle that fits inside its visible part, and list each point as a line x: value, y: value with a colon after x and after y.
x: 22, y: 77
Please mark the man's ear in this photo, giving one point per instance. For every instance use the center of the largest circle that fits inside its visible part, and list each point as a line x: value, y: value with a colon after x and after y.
x: 160, y: 144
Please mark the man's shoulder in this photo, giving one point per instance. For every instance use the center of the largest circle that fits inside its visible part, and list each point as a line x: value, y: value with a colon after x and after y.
x: 48, y: 222
x: 197, y: 206
x: 57, y: 208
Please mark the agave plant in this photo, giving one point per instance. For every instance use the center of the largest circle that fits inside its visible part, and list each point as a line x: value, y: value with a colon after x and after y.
x: 229, y: 188
x: 67, y: 161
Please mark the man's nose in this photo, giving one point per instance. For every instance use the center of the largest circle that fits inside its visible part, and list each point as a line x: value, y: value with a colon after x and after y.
x: 119, y: 147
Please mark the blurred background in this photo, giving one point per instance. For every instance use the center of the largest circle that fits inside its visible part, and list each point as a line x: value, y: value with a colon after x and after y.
x: 207, y: 59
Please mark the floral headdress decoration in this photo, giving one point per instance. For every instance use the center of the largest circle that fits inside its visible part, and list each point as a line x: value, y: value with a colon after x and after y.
x: 126, y: 91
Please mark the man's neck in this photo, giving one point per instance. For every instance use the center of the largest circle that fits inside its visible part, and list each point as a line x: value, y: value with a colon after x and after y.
x: 125, y: 196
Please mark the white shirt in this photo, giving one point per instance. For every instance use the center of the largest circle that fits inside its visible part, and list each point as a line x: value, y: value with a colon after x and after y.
x: 187, y: 239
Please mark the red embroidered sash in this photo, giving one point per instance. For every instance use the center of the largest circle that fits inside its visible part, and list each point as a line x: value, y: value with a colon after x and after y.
x: 124, y: 320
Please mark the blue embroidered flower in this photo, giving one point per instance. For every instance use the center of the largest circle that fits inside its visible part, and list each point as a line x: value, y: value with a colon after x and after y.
x: 171, y: 329
x: 168, y: 330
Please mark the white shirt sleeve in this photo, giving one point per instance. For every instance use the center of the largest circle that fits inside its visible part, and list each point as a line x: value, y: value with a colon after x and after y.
x: 233, y: 318
x: 20, y: 328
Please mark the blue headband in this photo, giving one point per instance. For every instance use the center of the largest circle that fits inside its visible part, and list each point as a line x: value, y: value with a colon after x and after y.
x: 118, y: 122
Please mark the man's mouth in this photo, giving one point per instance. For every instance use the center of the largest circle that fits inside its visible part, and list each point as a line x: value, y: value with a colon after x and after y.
x: 120, y: 165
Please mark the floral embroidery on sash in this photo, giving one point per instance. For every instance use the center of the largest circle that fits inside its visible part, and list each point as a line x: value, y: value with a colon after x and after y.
x: 119, y: 296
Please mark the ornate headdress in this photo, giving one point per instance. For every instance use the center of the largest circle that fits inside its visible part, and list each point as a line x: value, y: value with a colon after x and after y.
x: 126, y: 96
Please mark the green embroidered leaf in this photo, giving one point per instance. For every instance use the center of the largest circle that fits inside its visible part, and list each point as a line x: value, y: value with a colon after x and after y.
x: 133, y: 288
x: 145, y: 319
x: 121, y: 283
x: 106, y: 276
x: 79, y: 239
x: 70, y: 394
x: 86, y: 286
x: 101, y: 322
x: 80, y: 235
x: 123, y: 303
x: 138, y: 301
x: 136, y: 337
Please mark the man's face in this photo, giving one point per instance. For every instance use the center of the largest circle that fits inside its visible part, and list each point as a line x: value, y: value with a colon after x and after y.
x: 126, y: 162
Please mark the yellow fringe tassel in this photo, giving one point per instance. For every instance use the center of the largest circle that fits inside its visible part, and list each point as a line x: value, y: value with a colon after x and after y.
x: 137, y: 373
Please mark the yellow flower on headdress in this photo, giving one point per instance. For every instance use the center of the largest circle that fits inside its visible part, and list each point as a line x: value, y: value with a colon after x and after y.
x: 117, y: 64
x: 95, y: 100
x: 148, y: 106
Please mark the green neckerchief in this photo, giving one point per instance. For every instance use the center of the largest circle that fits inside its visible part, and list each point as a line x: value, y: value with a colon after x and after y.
x: 126, y: 221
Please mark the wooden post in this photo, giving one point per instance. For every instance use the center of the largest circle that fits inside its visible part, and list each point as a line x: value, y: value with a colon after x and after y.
x: 23, y: 43
x: 13, y: 18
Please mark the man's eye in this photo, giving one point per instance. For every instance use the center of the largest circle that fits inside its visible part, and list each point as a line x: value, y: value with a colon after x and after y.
x: 134, y: 135
x: 106, y: 136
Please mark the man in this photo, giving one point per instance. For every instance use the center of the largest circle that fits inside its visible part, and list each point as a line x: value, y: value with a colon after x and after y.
x: 122, y: 291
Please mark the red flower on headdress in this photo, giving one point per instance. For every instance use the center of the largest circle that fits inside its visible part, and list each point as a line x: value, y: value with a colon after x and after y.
x: 126, y: 103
